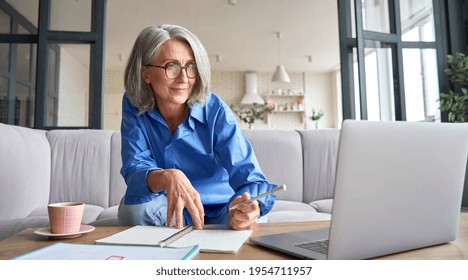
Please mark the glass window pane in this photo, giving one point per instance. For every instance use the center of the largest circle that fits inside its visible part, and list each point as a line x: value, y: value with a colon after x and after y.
x: 375, y: 15
x: 379, y: 84
x: 24, y: 62
x: 4, y: 57
x: 357, y: 98
x: 52, y: 87
x: 33, y: 64
x: 3, y: 99
x: 353, y: 19
x: 421, y: 84
x: 417, y: 20
x: 29, y: 9
x: 70, y: 15
x: 23, y: 30
x: 68, y: 86
x: 21, y: 105
x: 4, y: 22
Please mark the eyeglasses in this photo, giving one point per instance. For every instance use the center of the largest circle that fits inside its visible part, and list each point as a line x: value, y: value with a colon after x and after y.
x: 173, y: 70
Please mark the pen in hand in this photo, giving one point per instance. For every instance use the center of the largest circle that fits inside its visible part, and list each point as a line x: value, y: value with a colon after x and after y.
x: 275, y: 190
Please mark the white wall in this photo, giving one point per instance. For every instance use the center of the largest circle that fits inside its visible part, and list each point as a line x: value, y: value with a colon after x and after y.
x: 113, y: 93
x: 321, y: 95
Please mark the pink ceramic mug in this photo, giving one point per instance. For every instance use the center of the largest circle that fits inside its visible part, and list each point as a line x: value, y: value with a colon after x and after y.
x: 65, y: 217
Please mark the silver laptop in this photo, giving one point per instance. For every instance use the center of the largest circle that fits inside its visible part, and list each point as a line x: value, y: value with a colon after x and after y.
x: 398, y: 187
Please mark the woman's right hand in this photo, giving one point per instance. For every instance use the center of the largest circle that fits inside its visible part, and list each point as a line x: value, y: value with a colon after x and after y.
x: 180, y: 194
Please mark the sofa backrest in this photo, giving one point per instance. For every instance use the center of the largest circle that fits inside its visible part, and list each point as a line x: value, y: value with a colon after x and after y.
x: 24, y: 170
x: 320, y: 153
x: 38, y: 167
x: 80, y: 166
x: 117, y: 186
x: 279, y: 153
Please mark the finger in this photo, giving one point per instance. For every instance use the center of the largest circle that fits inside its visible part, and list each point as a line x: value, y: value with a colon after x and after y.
x: 179, y: 212
x: 240, y: 225
x: 246, y: 216
x: 196, y: 216
x: 243, y: 220
x: 170, y: 213
x: 249, y: 207
x: 201, y: 211
x: 236, y: 200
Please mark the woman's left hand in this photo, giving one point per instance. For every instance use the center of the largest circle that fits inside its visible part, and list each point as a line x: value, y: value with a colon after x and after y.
x: 246, y: 215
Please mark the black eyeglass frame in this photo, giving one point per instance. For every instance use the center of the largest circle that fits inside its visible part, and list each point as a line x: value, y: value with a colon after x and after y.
x: 180, y: 66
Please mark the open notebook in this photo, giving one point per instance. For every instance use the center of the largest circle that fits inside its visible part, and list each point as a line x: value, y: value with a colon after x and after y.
x: 209, y: 239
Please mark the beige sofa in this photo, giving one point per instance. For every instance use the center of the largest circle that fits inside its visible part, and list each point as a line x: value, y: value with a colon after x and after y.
x: 39, y: 167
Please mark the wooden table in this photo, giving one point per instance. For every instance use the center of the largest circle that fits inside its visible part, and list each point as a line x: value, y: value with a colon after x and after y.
x: 26, y: 241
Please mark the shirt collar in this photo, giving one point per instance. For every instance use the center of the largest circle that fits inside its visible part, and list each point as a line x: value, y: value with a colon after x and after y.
x: 155, y: 114
x: 196, y: 112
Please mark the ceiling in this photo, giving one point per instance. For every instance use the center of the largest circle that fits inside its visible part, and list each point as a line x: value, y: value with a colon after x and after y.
x: 244, y: 35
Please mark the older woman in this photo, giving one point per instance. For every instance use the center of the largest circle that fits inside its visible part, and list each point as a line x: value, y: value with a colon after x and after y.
x: 185, y: 159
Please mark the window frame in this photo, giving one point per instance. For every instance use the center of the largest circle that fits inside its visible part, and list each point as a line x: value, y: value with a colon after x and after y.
x: 46, y: 38
x: 350, y: 44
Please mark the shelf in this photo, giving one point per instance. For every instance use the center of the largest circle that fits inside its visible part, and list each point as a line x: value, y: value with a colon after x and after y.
x: 283, y: 95
x: 288, y: 111
x: 289, y: 104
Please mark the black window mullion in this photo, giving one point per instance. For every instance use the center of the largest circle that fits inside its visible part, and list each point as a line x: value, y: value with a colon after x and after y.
x: 360, y: 56
x: 398, y: 74
x: 418, y: 45
x: 72, y: 37
x: 42, y: 65
x: 376, y: 36
x: 346, y: 56
x: 18, y: 38
x: 96, y: 73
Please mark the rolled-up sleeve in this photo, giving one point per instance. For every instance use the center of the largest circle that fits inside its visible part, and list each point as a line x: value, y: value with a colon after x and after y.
x: 137, y: 159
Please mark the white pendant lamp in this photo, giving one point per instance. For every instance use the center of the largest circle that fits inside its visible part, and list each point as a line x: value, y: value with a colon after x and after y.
x: 280, y: 74
x: 251, y: 96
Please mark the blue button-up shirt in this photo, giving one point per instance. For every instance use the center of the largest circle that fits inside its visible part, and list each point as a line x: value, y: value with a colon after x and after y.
x: 208, y: 146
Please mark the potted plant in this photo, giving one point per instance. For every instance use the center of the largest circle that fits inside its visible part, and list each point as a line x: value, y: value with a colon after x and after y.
x: 455, y: 102
x: 249, y: 114
x: 316, y: 116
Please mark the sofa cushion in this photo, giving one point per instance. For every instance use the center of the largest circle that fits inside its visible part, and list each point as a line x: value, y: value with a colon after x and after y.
x: 110, y: 212
x: 293, y: 211
x: 297, y: 216
x: 80, y: 166
x: 24, y: 171
x: 14, y: 226
x: 280, y: 156
x: 323, y: 205
x: 285, y: 205
x: 107, y: 222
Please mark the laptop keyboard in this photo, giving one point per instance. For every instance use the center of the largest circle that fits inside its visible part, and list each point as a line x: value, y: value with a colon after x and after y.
x: 319, y: 246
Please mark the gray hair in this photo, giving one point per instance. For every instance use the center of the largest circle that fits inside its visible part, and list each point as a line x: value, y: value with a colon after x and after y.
x: 146, y: 48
